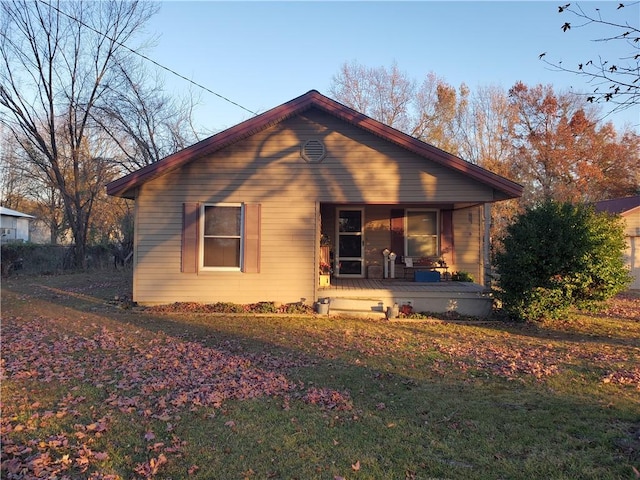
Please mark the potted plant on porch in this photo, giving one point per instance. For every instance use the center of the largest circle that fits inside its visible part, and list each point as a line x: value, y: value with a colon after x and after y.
x: 325, y: 261
x: 325, y: 274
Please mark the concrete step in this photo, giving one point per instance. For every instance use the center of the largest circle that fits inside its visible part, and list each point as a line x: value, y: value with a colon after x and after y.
x: 361, y: 307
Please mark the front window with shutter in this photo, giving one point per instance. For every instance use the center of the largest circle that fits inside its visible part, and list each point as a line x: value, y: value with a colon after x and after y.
x: 221, y: 229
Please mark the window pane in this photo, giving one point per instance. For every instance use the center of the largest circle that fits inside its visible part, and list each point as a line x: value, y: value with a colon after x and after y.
x: 221, y: 252
x: 422, y: 223
x: 350, y: 246
x: 422, y: 234
x: 422, y: 246
x: 350, y: 267
x: 350, y: 221
x: 222, y: 221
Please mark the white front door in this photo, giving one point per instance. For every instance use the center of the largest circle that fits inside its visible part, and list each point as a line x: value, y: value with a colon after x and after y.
x: 350, y: 244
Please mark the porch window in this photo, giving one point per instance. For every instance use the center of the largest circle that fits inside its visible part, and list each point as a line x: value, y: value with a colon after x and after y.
x: 222, y: 236
x: 422, y: 234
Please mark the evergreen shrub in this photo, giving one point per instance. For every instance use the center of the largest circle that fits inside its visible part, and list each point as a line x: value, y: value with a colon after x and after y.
x: 556, y: 256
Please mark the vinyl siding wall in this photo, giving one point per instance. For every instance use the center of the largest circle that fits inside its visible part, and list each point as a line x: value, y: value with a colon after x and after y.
x: 468, y: 238
x: 267, y: 169
x: 632, y: 253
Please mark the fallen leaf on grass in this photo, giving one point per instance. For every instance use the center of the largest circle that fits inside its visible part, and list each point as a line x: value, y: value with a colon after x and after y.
x: 248, y: 473
x: 101, y: 456
x: 150, y: 468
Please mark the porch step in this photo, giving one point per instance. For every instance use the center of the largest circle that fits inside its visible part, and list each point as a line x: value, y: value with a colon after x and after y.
x: 361, y: 307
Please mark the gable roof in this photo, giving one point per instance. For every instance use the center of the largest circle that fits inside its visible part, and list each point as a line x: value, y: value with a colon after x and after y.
x: 125, y: 186
x: 618, y: 205
x: 13, y: 213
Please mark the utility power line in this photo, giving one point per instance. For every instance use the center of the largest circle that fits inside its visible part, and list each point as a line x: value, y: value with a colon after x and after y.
x: 148, y: 58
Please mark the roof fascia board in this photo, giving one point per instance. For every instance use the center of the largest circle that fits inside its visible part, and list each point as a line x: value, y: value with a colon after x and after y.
x: 636, y: 209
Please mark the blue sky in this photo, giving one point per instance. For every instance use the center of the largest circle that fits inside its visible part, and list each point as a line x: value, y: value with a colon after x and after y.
x: 262, y: 54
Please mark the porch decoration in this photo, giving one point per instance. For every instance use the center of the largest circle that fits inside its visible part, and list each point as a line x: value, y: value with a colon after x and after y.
x: 325, y: 266
x: 325, y: 274
x: 406, y: 309
x: 426, y: 276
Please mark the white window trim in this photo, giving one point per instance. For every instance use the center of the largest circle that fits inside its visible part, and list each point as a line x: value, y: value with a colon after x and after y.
x: 202, y: 238
x: 406, y: 228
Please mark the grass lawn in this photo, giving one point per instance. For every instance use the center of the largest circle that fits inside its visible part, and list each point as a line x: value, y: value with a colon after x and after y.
x: 91, y: 389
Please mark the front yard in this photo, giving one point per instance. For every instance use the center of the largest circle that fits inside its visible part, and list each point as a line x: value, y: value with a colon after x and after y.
x: 92, y: 388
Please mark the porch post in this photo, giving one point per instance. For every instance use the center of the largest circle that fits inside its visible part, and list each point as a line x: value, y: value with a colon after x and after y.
x: 486, y: 250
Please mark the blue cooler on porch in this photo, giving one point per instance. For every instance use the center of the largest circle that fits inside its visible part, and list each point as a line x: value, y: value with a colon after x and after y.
x: 426, y: 276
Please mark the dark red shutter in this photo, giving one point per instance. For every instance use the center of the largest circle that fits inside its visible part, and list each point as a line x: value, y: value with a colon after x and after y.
x: 397, y: 233
x: 251, y: 254
x: 446, y: 236
x: 190, y: 232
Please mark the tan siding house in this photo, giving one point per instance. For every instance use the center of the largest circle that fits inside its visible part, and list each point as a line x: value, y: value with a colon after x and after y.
x: 629, y: 209
x: 239, y: 216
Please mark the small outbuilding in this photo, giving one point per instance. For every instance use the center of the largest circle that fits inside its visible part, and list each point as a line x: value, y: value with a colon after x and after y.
x: 14, y: 225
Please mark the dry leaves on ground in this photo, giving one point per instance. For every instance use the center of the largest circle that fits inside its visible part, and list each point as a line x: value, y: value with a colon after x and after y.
x: 152, y: 379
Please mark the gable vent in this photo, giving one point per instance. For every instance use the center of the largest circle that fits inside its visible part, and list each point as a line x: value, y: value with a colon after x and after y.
x: 313, y: 151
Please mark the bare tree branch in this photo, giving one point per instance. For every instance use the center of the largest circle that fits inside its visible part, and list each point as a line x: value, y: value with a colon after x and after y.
x: 615, y: 81
x: 59, y: 67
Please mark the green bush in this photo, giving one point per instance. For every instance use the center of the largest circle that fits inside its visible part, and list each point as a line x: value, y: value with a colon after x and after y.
x: 461, y: 277
x: 227, y: 307
x: 263, y: 307
x: 556, y: 256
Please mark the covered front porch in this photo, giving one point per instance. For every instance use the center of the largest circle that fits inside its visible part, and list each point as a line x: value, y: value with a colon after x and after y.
x: 371, y: 297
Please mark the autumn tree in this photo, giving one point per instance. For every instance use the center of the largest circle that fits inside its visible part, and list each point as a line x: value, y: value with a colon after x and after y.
x: 71, y: 95
x: 381, y: 93
x: 485, y: 133
x: 24, y: 188
x: 440, y: 109
x: 562, y: 154
x: 12, y: 181
x: 614, y: 78
x: 427, y: 111
x: 486, y: 128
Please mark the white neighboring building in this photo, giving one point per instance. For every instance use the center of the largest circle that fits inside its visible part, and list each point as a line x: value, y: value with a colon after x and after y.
x: 14, y: 225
